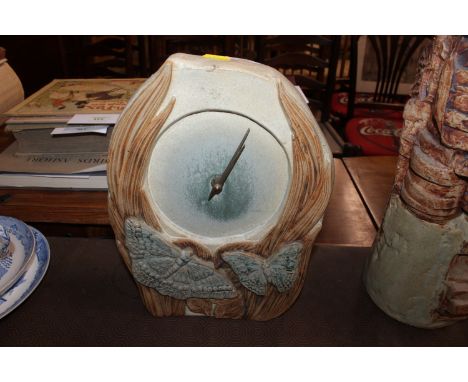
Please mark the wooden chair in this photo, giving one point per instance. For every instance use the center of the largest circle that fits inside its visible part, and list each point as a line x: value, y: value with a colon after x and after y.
x: 103, y: 56
x: 373, y: 119
x: 310, y: 60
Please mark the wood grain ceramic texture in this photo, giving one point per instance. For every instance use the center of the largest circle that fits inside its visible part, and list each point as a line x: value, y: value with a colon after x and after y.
x: 312, y: 180
x: 431, y: 183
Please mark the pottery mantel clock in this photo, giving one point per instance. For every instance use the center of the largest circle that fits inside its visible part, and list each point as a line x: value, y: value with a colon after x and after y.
x: 218, y: 181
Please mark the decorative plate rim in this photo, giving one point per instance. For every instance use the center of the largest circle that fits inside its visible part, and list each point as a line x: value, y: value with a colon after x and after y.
x: 42, y: 254
x: 28, y: 257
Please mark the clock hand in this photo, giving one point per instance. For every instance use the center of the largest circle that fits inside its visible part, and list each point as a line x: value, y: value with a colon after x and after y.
x: 218, y: 181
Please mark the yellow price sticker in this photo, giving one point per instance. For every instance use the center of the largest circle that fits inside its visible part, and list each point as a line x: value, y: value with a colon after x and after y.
x: 216, y: 57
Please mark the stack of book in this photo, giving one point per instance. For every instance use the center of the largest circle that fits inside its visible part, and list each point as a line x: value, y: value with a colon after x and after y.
x: 62, y: 134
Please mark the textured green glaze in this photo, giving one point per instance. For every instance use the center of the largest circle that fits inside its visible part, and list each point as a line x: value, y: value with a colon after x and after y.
x: 171, y: 271
x: 254, y: 272
x: 410, y: 260
x: 189, y: 154
x: 237, y: 193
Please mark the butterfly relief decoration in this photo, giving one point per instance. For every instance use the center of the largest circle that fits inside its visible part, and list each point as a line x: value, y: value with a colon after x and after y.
x: 172, y: 271
x: 178, y: 273
x: 255, y: 272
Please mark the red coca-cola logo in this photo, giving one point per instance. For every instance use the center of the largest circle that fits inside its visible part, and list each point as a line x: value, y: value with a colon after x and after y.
x: 385, y: 128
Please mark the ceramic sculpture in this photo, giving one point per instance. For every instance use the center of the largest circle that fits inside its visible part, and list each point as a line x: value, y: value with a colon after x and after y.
x: 418, y: 271
x: 11, y: 90
x: 218, y: 181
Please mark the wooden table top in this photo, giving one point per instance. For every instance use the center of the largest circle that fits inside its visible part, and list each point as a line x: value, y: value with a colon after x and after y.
x: 373, y: 177
x: 55, y: 206
x: 335, y: 146
x: 346, y: 221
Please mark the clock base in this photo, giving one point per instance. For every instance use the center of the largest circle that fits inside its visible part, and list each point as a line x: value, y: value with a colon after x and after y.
x: 245, y: 305
x: 239, y: 284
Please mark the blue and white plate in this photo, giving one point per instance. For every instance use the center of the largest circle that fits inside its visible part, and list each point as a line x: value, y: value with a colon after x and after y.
x: 18, y: 254
x: 30, y: 279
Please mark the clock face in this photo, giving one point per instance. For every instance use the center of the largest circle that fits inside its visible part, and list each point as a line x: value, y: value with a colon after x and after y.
x: 197, y: 148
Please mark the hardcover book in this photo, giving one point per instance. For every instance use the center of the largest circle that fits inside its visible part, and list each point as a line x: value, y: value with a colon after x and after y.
x: 40, y: 141
x: 69, y: 163
x: 78, y: 96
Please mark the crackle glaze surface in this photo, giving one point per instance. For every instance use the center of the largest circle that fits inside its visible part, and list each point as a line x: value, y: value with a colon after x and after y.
x: 197, y: 148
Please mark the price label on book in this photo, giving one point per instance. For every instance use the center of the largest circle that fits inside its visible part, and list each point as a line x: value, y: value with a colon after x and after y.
x: 94, y: 119
x: 87, y: 129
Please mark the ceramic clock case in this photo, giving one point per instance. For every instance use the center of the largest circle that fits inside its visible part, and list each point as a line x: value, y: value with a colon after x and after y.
x: 244, y: 253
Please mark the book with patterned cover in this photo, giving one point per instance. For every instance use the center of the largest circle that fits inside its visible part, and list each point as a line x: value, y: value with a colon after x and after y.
x: 78, y: 96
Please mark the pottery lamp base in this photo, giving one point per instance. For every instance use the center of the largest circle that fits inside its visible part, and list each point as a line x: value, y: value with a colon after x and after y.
x: 404, y: 286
